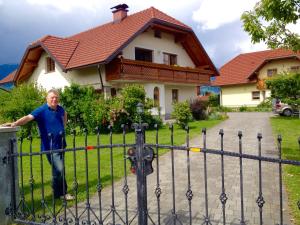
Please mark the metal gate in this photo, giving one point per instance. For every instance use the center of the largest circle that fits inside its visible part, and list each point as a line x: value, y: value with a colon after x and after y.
x: 147, y: 182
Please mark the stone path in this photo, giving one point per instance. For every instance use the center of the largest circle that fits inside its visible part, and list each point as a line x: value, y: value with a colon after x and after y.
x: 250, y: 124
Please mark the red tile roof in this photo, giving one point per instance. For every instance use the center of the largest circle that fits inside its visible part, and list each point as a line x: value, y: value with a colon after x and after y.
x: 241, y: 68
x: 9, y: 78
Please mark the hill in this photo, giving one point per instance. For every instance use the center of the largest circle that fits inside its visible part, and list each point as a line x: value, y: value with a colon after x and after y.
x: 6, y: 69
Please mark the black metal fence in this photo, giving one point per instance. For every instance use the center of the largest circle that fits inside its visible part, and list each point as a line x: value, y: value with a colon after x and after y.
x: 176, y: 187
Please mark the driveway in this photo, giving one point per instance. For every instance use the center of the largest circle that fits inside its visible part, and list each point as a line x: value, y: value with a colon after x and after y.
x: 250, y: 124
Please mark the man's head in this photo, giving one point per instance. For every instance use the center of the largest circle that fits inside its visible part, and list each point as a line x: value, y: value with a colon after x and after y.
x: 52, y: 98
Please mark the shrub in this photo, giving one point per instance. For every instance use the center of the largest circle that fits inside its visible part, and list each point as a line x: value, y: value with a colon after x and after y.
x: 217, y: 116
x: 21, y: 101
x: 182, y: 113
x: 198, y: 109
x: 80, y: 103
x: 243, y: 108
x: 266, y: 105
x: 214, y: 100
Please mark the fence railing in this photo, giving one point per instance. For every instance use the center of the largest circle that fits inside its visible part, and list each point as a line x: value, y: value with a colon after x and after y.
x: 185, y: 182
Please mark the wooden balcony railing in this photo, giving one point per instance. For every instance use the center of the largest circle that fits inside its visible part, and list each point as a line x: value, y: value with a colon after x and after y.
x: 125, y: 69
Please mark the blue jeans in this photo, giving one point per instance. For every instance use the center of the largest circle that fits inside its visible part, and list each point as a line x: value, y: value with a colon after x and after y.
x: 59, y: 183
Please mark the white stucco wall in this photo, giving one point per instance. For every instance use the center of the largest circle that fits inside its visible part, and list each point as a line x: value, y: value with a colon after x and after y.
x: 60, y: 79
x: 159, y: 45
x: 184, y: 93
x: 283, y: 65
x: 240, y: 95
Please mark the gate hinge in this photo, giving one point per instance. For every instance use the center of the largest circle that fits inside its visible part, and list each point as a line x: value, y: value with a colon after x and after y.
x: 5, y: 160
x: 8, y: 211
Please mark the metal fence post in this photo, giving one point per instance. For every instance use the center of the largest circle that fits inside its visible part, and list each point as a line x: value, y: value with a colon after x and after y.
x: 140, y: 176
x: 9, y: 191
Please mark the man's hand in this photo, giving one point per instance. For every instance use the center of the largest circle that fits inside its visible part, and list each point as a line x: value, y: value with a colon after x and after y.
x: 8, y: 125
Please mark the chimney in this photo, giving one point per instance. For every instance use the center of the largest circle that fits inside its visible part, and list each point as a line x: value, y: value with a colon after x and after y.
x: 119, y: 12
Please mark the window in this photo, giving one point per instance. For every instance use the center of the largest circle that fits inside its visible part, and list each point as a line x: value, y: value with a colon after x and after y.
x: 157, y: 33
x: 170, y: 59
x: 271, y: 72
x: 50, y: 65
x: 143, y: 54
x: 174, y: 95
x: 255, y: 95
x: 295, y: 69
x: 156, y: 96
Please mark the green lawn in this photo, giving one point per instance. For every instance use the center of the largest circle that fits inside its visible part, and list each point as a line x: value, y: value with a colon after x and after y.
x: 289, y: 128
x: 105, y: 159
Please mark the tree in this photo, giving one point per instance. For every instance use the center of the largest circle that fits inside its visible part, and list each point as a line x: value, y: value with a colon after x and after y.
x: 269, y: 20
x: 21, y: 101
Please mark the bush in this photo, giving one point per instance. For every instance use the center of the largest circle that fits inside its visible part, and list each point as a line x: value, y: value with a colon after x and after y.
x: 182, y: 113
x: 217, y: 116
x: 80, y: 104
x: 214, y: 100
x: 243, y: 108
x: 198, y: 109
x: 20, y: 102
x: 266, y: 105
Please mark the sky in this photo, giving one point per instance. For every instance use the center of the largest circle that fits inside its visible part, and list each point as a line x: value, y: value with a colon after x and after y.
x: 215, y: 22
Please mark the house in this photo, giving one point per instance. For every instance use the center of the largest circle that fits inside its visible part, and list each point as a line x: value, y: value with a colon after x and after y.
x: 242, y: 79
x: 8, y: 81
x: 148, y: 47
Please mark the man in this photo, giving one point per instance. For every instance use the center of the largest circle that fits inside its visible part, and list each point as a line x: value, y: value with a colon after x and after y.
x: 51, y: 119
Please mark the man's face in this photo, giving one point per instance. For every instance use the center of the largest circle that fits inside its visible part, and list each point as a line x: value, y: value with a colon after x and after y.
x: 52, y: 100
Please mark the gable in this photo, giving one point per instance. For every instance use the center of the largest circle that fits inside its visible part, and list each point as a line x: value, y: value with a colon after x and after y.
x: 165, y: 44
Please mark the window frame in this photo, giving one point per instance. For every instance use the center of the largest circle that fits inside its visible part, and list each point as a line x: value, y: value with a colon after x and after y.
x: 145, y: 50
x: 156, y: 96
x: 295, y: 69
x: 167, y: 59
x: 255, y: 98
x: 271, y: 72
x: 175, y: 97
x: 50, y: 65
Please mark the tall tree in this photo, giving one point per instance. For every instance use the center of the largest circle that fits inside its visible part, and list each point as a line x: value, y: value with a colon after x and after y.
x: 269, y: 21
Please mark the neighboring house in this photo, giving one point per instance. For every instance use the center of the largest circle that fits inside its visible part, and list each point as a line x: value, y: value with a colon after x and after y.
x: 242, y: 79
x: 148, y: 48
x: 8, y: 81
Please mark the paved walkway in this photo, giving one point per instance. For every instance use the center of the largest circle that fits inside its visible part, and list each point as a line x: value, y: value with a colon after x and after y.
x: 250, y: 124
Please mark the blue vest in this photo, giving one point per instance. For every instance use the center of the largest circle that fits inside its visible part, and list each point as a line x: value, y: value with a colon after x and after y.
x: 50, y: 121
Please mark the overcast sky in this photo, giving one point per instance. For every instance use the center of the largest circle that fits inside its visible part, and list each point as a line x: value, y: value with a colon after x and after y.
x: 216, y: 22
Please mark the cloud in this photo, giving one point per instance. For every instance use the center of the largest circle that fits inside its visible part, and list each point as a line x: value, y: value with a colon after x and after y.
x: 245, y: 46
x: 214, y: 13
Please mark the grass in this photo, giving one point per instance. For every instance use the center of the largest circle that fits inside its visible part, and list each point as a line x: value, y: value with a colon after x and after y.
x: 289, y: 128
x: 34, y: 162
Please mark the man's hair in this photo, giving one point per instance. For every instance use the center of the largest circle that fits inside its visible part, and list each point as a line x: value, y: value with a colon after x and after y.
x: 54, y: 91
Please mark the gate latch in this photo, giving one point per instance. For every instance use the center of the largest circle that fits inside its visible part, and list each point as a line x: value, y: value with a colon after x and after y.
x: 148, y: 157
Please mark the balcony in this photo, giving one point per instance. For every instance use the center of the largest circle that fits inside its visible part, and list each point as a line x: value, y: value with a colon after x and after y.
x: 125, y: 69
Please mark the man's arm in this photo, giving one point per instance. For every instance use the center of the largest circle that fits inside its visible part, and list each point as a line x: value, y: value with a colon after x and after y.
x: 21, y: 121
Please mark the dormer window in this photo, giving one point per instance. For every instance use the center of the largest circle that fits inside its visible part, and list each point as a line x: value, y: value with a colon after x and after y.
x: 271, y: 72
x: 50, y: 65
x: 142, y: 54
